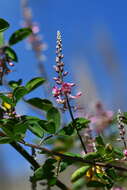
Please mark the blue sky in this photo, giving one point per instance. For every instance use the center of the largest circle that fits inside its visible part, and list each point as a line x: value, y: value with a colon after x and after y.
x: 83, y: 24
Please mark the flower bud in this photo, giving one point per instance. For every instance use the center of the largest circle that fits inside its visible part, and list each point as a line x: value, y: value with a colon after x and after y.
x: 125, y: 152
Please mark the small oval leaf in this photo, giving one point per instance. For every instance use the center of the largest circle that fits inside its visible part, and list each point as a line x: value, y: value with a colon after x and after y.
x: 10, y: 53
x: 34, y: 83
x: 54, y: 115
x: 79, y: 173
x: 19, y: 92
x: 19, y: 35
x: 42, y: 104
x: 4, y: 25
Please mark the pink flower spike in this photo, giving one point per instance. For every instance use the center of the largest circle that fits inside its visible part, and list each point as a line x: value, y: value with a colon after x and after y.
x: 76, y: 96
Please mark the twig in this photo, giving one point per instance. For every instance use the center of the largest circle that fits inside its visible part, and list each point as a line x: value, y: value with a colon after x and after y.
x: 75, y: 158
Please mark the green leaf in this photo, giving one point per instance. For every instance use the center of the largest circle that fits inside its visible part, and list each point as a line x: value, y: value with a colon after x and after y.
x: 19, y: 92
x: 42, y: 104
x: 34, y: 83
x: 36, y: 129
x: 118, y: 153
x: 79, y: 173
x: 78, y: 185
x: 67, y: 162
x: 68, y: 130
x: 81, y: 123
x: 1, y: 39
x: 19, y: 35
x: 52, y: 181
x: 6, y: 99
x: 20, y: 128
x: 10, y: 53
x: 111, y: 173
x: 54, y: 115
x: 95, y: 184
x: 100, y: 141
x: 5, y: 140
x: 108, y: 148
x: 15, y: 84
x: 45, y: 172
x: 33, y: 125
x: 92, y: 156
x: 38, y: 175
x: 4, y: 25
x: 48, y: 126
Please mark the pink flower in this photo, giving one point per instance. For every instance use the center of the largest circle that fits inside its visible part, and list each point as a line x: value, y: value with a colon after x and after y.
x: 125, y: 152
x: 11, y: 64
x: 56, y: 91
x: 76, y: 96
x: 66, y: 87
x: 59, y: 100
x: 35, y: 28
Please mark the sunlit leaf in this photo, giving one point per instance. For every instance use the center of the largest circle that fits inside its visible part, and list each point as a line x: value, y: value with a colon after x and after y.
x: 79, y: 173
x: 34, y: 83
x: 19, y: 35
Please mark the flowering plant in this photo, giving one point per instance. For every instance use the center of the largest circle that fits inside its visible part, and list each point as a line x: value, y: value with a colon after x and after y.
x: 101, y: 165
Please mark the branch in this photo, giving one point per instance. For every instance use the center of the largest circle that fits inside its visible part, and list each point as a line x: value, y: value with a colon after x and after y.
x: 74, y: 158
x: 31, y: 160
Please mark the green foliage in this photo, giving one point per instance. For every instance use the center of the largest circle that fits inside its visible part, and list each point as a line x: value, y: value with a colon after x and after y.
x: 1, y: 39
x: 79, y: 173
x: 48, y: 126
x: 34, y: 127
x: 45, y: 172
x: 10, y: 53
x: 95, y: 184
x: 81, y: 123
x: 67, y: 130
x: 4, y: 25
x: 34, y: 83
x: 53, y: 115
x: 19, y: 92
x: 5, y: 140
x: 6, y: 99
x: 14, y: 84
x: 19, y: 35
x: 92, y: 156
x: 42, y: 104
x: 13, y: 128
x: 100, y: 141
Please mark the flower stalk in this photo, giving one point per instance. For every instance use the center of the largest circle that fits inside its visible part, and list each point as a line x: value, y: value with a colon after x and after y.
x: 63, y: 93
